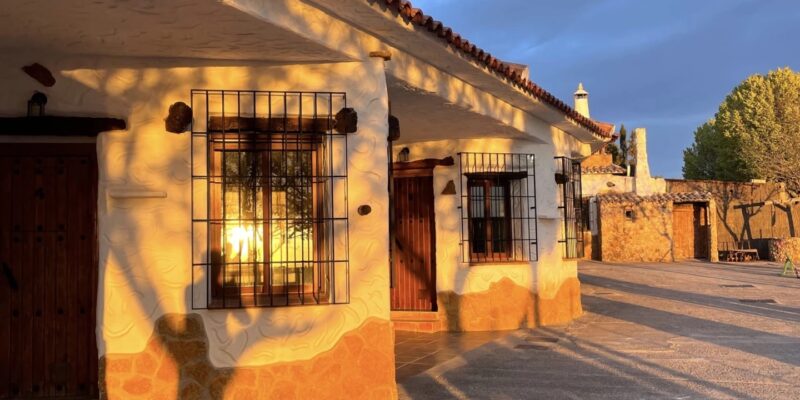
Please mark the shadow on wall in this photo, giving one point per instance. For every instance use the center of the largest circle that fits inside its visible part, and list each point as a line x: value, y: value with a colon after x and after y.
x: 747, y: 211
x: 492, y: 296
x: 130, y: 253
x: 507, y: 306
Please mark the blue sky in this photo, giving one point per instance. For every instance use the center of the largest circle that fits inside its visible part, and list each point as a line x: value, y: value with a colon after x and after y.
x: 664, y: 65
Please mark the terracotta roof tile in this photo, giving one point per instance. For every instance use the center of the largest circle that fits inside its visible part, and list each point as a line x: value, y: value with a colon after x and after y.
x: 480, y: 56
x: 605, y: 169
x: 681, y: 197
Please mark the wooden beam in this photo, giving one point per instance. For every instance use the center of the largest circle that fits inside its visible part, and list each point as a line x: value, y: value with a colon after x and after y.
x: 427, y: 163
x: 59, y: 126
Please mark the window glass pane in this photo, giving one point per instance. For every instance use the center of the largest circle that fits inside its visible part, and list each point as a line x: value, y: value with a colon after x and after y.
x: 500, y: 239
x: 292, y: 229
x: 476, y: 202
x: 477, y: 230
x: 477, y: 235
x: 498, y: 201
x: 242, y: 239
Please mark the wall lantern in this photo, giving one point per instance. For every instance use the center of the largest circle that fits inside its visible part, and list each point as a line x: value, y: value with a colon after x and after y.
x: 404, y: 155
x: 36, y: 104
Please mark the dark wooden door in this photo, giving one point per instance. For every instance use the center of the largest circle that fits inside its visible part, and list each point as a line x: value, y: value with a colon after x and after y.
x: 48, y: 256
x: 701, y: 230
x: 413, y: 257
x: 690, y: 231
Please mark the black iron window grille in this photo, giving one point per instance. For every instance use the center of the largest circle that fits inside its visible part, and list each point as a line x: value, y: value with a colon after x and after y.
x: 269, y: 199
x: 498, y: 207
x: 570, y: 206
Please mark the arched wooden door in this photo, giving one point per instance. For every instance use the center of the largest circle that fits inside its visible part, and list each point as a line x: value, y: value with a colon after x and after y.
x: 48, y: 279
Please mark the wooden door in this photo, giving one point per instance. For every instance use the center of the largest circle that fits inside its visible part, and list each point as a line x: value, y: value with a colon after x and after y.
x: 48, y: 256
x: 413, y: 263
x: 701, y: 230
x: 690, y: 231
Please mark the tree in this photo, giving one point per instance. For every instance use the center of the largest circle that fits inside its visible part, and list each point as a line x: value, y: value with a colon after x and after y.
x: 613, y: 150
x: 755, y: 133
x: 623, y: 147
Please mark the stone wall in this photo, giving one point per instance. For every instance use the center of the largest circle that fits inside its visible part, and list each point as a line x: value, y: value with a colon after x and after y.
x: 175, y: 364
x: 747, y: 211
x: 781, y: 249
x: 635, y: 231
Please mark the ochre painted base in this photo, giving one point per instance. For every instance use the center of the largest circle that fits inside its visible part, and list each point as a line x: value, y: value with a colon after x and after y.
x: 175, y: 365
x: 563, y: 308
x: 507, y: 306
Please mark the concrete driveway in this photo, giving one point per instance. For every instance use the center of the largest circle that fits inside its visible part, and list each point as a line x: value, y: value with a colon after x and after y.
x: 688, y: 330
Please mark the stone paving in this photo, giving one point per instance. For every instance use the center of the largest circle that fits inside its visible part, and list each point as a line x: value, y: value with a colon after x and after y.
x: 688, y: 330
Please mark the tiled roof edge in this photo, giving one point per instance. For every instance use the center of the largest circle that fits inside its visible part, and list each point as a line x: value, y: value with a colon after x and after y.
x: 486, y: 59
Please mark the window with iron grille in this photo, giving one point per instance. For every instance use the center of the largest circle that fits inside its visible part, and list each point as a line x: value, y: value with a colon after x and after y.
x: 570, y: 205
x: 498, y: 207
x: 269, y: 203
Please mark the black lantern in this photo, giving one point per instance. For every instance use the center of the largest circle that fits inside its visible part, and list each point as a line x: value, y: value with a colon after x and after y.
x: 36, y: 104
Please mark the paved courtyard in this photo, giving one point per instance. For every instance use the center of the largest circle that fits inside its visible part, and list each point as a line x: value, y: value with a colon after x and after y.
x: 690, y: 330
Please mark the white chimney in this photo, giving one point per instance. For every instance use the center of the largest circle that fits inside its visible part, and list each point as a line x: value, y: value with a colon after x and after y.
x: 582, y: 101
x: 643, y: 183
x: 640, y: 153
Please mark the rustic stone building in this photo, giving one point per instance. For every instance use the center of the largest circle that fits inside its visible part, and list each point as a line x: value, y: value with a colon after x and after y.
x: 656, y: 228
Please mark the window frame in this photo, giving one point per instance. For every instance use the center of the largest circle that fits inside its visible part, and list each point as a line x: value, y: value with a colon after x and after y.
x: 264, y: 144
x: 569, y: 185
x: 487, y: 182
x: 518, y: 171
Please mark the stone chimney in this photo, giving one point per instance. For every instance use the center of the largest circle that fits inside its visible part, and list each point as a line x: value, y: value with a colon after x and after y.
x: 643, y: 183
x: 640, y: 153
x: 582, y: 101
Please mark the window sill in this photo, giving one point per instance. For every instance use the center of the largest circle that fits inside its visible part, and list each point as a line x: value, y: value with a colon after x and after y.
x: 499, y: 263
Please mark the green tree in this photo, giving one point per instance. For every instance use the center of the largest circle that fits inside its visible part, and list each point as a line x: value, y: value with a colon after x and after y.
x: 755, y: 133
x: 623, y: 147
x: 612, y: 149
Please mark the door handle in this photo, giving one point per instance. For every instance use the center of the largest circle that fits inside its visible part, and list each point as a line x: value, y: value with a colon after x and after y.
x: 10, y: 276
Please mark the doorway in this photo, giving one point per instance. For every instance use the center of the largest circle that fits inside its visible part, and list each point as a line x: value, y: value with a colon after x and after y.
x: 48, y: 262
x: 690, y: 231
x: 414, y: 241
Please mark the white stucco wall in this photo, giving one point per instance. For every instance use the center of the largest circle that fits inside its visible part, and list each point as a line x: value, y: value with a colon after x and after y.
x: 145, y: 260
x: 544, y: 276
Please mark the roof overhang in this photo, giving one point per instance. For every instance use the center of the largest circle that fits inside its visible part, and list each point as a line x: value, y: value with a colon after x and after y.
x: 398, y: 24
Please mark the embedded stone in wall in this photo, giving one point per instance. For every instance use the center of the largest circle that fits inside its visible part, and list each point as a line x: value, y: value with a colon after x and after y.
x: 506, y: 306
x: 175, y: 365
